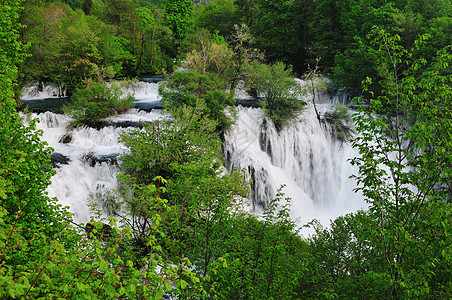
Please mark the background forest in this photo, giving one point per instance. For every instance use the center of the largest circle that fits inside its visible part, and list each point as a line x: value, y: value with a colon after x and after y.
x: 70, y: 41
x: 181, y: 230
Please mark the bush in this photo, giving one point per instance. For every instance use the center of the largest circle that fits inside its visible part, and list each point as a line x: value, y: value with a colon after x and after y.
x: 97, y: 102
x: 190, y: 87
x: 281, y: 93
x: 340, y: 121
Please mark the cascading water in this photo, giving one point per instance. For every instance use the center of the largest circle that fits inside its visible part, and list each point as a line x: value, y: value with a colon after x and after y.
x: 303, y: 156
x: 86, y: 156
x: 41, y: 91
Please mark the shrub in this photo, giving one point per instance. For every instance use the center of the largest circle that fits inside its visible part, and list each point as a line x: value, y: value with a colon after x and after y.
x: 340, y: 121
x: 280, y: 91
x: 97, y: 102
x: 190, y: 87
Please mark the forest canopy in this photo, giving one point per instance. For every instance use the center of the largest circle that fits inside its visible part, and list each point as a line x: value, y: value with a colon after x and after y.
x: 71, y: 41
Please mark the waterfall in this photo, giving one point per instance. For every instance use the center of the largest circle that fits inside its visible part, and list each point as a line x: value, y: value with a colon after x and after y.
x: 144, y: 91
x: 84, y: 165
x: 41, y: 91
x: 303, y: 156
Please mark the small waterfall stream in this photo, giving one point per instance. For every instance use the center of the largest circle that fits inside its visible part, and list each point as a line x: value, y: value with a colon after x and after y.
x: 303, y: 157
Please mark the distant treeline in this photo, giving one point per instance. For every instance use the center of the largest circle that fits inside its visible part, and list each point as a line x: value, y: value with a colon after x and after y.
x: 72, y: 40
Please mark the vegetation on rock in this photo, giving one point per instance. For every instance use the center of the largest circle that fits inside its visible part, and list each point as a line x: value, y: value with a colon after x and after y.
x: 96, y: 102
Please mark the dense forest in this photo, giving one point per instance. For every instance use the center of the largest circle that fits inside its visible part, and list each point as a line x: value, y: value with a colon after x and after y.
x: 179, y: 229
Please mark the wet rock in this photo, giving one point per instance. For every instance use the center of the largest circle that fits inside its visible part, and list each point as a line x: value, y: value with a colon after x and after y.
x: 116, y: 124
x: 93, y: 159
x: 57, y: 159
x: 42, y: 105
x: 66, y: 139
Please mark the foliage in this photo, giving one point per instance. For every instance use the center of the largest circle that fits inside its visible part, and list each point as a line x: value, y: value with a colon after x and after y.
x: 142, y: 37
x: 280, y: 91
x: 204, y: 221
x: 151, y: 32
x: 200, y: 197
x: 204, y: 199
x: 404, y: 168
x: 281, y: 28
x: 179, y: 16
x: 41, y: 255
x: 45, y: 41
x: 99, y: 265
x: 114, y: 52
x: 339, y: 119
x: 63, y: 47
x: 192, y: 87
x: 399, y: 248
x: 345, y: 263
x: 218, y: 16
x: 266, y: 258
x: 68, y: 45
x: 210, y: 54
x: 165, y: 144
x: 353, y: 65
x: 282, y: 31
x: 346, y: 25
x: 96, y: 102
x: 243, y: 44
x: 24, y: 159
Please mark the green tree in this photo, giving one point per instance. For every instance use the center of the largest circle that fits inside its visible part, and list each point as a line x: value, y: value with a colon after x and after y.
x: 86, y: 6
x: 116, y: 12
x: 44, y: 34
x: 344, y: 262
x: 281, y: 31
x: 168, y: 143
x: 63, y: 47
x: 210, y: 54
x: 346, y: 24
x: 24, y: 164
x: 179, y: 16
x: 280, y: 92
x: 79, y: 54
x: 186, y: 150
x: 404, y: 169
x: 41, y: 255
x: 115, y: 53
x: 151, y: 33
x: 204, y: 220
x: 218, y: 16
x: 190, y: 87
x: 266, y: 256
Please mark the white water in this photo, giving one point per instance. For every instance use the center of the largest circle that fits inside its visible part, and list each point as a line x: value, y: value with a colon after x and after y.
x: 144, y: 91
x: 75, y: 182
x: 304, y: 157
x: 32, y: 91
